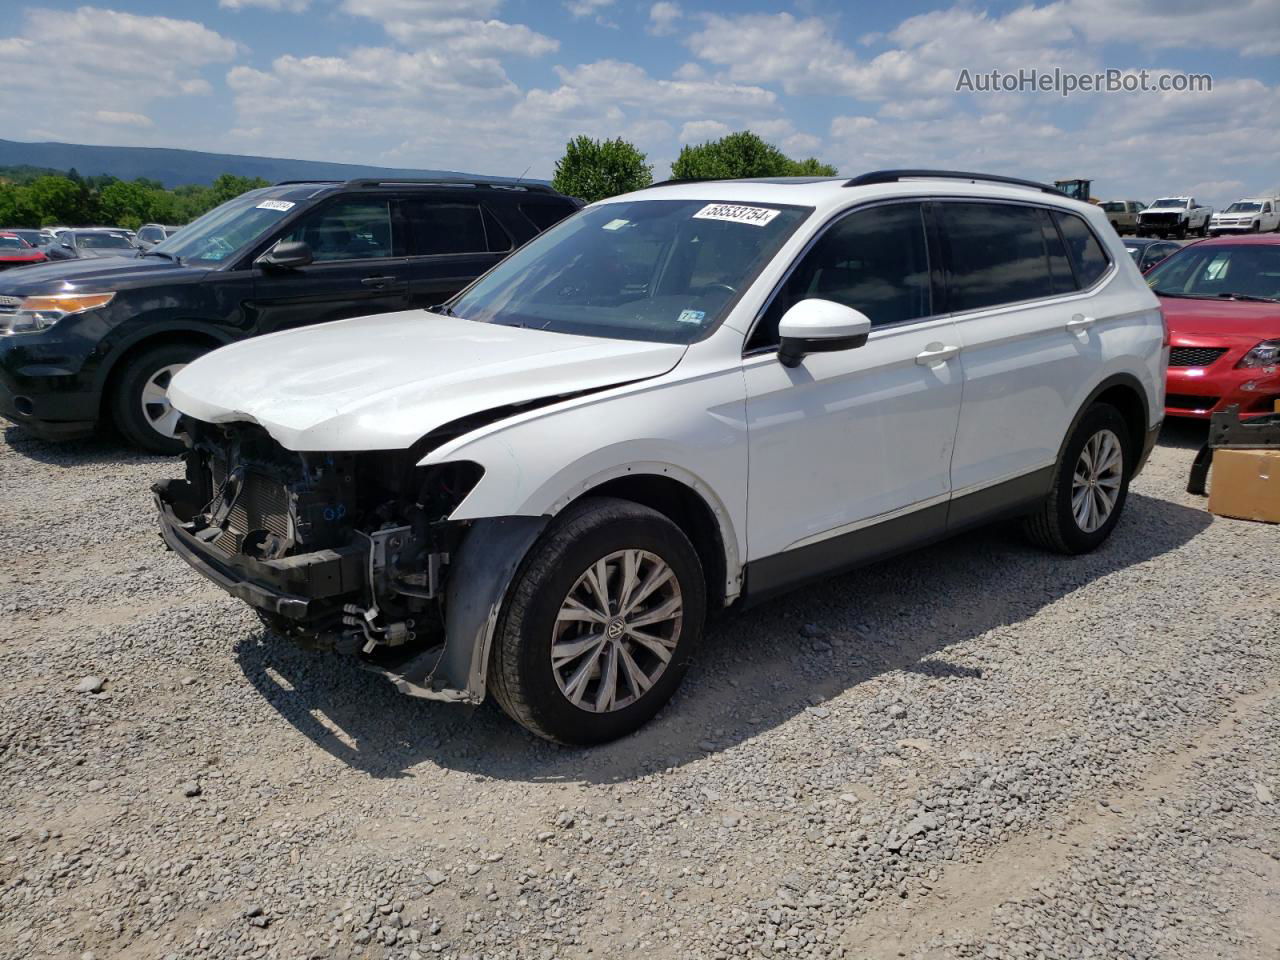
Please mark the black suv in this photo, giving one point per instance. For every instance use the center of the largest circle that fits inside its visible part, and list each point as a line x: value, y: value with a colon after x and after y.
x: 87, y: 340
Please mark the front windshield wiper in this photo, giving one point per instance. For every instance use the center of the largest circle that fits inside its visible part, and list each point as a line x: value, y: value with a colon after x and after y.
x: 1248, y: 296
x: 1183, y: 296
x: 443, y: 309
x: 161, y: 253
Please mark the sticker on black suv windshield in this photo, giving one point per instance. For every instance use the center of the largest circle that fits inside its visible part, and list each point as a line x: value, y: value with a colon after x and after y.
x: 736, y: 213
x: 281, y: 205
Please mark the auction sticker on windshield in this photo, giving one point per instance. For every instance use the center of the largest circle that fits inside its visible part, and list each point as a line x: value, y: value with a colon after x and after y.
x: 736, y: 213
x: 281, y: 205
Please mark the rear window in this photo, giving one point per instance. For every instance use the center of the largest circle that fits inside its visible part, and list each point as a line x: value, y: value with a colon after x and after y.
x: 441, y: 229
x: 545, y: 215
x: 995, y: 253
x: 1087, y: 255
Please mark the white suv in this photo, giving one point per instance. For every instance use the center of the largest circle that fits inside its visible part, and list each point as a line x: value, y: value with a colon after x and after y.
x: 681, y: 399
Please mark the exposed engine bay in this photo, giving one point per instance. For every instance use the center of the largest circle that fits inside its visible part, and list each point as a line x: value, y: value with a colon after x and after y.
x: 339, y: 551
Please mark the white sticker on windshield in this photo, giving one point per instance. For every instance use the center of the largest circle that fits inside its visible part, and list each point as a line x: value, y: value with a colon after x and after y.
x: 616, y: 224
x: 281, y: 205
x: 736, y: 213
x: 691, y: 316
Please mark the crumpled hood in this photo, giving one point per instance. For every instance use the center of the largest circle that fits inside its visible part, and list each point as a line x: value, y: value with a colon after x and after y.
x: 382, y: 382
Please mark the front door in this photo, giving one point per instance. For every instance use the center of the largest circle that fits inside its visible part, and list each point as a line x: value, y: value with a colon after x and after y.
x: 850, y: 452
x: 360, y: 268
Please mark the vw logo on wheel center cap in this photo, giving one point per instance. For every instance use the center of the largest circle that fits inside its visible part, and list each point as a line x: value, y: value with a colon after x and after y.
x: 615, y: 629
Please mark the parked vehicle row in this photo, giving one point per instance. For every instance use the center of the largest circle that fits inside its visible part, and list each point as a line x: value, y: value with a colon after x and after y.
x: 17, y: 252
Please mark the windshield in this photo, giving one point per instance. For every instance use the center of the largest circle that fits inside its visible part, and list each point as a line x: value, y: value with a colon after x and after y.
x: 103, y: 241
x: 1170, y: 203
x: 1114, y: 206
x: 1135, y: 252
x: 1220, y: 271
x: 12, y: 243
x: 662, y: 270
x: 225, y: 229
x: 1239, y: 207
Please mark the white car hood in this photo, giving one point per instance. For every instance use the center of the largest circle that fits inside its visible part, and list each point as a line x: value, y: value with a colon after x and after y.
x: 382, y: 382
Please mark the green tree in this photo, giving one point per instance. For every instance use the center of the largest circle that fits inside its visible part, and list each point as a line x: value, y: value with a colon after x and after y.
x: 229, y: 186
x: 59, y: 200
x: 596, y: 169
x: 742, y: 154
x: 126, y: 204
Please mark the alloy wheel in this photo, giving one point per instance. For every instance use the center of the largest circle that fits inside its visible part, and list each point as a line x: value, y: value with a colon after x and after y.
x: 616, y: 631
x: 1095, y: 484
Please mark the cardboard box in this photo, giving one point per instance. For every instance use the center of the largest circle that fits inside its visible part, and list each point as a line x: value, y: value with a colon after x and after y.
x: 1246, y: 484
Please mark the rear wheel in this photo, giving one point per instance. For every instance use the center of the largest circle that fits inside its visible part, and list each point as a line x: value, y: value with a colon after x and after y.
x: 140, y: 403
x: 1090, y: 486
x: 600, y: 623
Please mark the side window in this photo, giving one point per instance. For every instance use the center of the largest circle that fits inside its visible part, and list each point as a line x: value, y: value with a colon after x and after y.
x: 996, y: 254
x: 441, y: 228
x: 1086, y: 252
x: 354, y: 229
x: 873, y: 260
x: 545, y: 215
x: 1064, y: 281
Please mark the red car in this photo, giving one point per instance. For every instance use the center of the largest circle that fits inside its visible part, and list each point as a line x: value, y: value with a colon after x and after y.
x: 16, y: 252
x: 1221, y: 300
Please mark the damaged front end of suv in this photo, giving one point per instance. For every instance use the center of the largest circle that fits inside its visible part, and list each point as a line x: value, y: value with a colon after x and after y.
x: 349, y: 552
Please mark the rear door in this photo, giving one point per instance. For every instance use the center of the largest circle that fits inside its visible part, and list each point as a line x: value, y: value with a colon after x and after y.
x: 360, y: 266
x: 1030, y: 340
x: 453, y: 238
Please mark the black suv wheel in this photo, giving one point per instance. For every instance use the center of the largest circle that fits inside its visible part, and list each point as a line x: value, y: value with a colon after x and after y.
x: 140, y: 404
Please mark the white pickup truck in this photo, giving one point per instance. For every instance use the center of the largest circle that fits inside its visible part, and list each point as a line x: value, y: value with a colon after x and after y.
x: 1250, y: 215
x: 1174, y: 217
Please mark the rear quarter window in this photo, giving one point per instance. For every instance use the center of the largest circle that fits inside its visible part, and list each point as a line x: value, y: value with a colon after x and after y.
x: 1087, y: 254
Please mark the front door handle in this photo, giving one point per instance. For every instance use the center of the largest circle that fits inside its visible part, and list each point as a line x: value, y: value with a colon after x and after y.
x: 378, y: 281
x: 1080, y: 322
x: 936, y: 353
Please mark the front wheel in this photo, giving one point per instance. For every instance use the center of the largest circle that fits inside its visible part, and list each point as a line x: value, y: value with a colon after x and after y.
x: 140, y: 403
x: 600, y: 623
x: 1090, y: 486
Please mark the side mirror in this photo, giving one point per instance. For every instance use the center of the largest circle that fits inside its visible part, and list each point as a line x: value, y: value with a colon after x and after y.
x: 819, y: 326
x: 287, y: 256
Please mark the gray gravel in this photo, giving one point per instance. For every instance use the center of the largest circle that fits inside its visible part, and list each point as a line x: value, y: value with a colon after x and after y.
x: 974, y: 751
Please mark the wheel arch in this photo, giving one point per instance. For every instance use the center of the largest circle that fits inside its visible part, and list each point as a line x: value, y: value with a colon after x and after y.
x: 1125, y: 392
x: 171, y: 333
x: 689, y: 510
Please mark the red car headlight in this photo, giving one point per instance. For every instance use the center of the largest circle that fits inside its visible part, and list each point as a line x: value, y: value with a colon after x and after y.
x: 1265, y: 354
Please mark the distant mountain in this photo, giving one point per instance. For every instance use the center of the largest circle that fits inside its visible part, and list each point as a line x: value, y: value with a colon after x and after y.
x: 177, y: 167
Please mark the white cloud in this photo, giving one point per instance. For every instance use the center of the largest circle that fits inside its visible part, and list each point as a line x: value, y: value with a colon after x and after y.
x: 119, y: 119
x: 123, y: 63
x: 586, y: 8
x: 464, y: 27
x: 663, y: 17
x: 287, y: 6
x: 700, y: 131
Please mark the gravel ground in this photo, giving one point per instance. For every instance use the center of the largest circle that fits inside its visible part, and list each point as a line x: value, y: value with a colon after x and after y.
x: 976, y: 750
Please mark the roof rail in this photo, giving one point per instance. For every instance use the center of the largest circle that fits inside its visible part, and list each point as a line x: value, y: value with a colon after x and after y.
x: 429, y: 182
x: 892, y: 176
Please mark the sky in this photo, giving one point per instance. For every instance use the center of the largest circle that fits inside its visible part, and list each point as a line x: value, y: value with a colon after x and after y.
x: 499, y: 86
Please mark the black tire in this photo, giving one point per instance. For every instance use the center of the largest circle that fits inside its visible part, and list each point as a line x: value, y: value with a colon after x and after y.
x: 1054, y: 525
x: 521, y: 676
x: 126, y: 398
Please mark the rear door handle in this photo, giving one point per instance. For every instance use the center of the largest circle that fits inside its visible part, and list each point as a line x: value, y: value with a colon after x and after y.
x: 378, y: 281
x: 1080, y: 322
x: 936, y: 354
